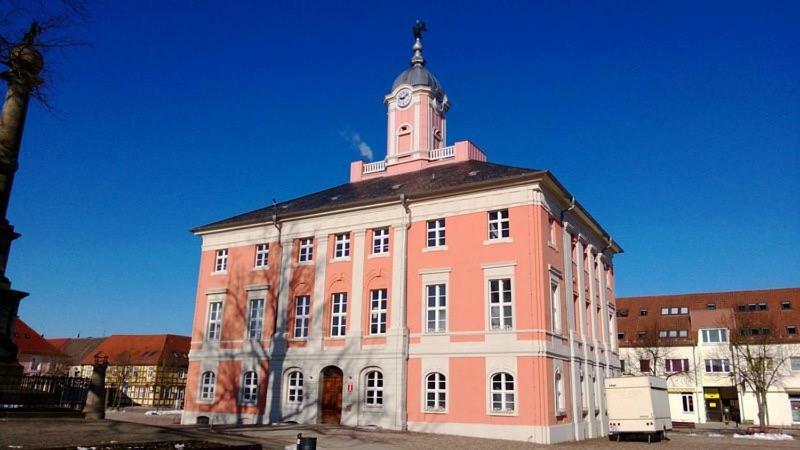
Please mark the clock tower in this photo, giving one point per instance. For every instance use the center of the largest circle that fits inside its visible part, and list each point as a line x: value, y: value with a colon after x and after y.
x: 417, y: 106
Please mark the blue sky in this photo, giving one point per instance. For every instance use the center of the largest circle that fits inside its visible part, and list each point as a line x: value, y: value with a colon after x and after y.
x: 674, y: 123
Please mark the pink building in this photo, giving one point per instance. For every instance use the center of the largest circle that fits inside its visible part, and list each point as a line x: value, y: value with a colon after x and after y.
x: 435, y: 291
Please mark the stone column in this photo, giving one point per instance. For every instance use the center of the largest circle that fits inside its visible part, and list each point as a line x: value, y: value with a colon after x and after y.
x: 24, y: 63
x: 95, y: 407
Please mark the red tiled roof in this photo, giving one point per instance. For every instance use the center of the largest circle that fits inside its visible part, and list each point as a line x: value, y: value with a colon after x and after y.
x: 143, y: 349
x: 76, y: 348
x: 30, y: 342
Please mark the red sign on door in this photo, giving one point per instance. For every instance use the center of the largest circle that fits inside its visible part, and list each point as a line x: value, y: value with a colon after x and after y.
x: 349, y: 387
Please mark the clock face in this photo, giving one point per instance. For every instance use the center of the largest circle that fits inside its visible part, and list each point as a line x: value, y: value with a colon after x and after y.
x: 403, y: 98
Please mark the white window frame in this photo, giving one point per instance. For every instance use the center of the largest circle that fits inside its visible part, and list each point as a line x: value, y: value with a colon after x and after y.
x: 378, y: 310
x: 439, y: 309
x: 339, y: 314
x: 724, y: 364
x: 436, y: 233
x: 214, y: 320
x: 255, y: 318
x: 341, y: 246
x: 499, y: 226
x: 305, y: 253
x: 555, y: 303
x: 669, y: 365
x: 262, y: 256
x: 249, y: 392
x: 505, y: 406
x: 221, y: 261
x: 208, y: 380
x: 380, y: 240
x: 302, y: 316
x: 504, y: 293
x: 435, y: 398
x: 294, y: 387
x: 373, y: 388
x: 687, y: 403
x: 559, y: 392
x: 721, y: 333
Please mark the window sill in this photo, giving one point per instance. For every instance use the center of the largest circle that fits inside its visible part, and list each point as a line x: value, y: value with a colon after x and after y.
x: 434, y: 411
x: 297, y: 339
x: 378, y: 255
x: 260, y: 268
x: 506, y: 240
x: 341, y: 259
x: 435, y: 333
x: 438, y: 248
x: 218, y: 273
x: 373, y: 407
x: 502, y: 413
x: 205, y: 401
x: 305, y: 263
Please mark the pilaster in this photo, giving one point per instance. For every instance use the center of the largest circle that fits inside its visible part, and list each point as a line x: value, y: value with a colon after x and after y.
x: 357, y: 290
x: 318, y: 302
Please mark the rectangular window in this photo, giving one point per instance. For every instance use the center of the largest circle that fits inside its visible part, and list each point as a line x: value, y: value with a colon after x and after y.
x: 622, y: 365
x: 718, y: 365
x: 555, y: 305
x: 664, y: 311
x: 643, y: 312
x: 795, y: 362
x: 380, y: 240
x: 500, y: 316
x: 255, y: 317
x: 436, y: 308
x: 786, y: 304
x: 214, y: 321
x: 641, y: 334
x: 342, y: 246
x: 498, y: 224
x: 621, y: 336
x: 644, y: 365
x: 377, y: 316
x: 552, y: 237
x: 762, y: 306
x: 676, y: 365
x: 221, y: 264
x: 436, y: 233
x: 339, y: 314
x: 714, y: 336
x: 711, y: 306
x: 302, y: 315
x: 306, y: 253
x: 262, y: 255
x: 791, y: 329
x: 673, y: 311
x: 688, y: 402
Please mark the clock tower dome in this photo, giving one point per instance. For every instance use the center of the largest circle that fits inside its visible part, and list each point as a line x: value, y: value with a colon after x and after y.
x: 417, y: 106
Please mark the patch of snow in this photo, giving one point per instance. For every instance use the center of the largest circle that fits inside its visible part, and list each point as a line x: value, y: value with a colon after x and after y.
x: 765, y: 436
x: 715, y: 435
x: 692, y: 434
x: 168, y: 412
x: 179, y: 446
x: 14, y: 446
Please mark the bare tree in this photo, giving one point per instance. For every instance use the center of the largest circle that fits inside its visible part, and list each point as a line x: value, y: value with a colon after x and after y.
x: 656, y: 350
x: 760, y: 358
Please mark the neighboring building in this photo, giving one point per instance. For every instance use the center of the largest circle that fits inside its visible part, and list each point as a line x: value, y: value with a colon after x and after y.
x: 688, y: 339
x: 76, y: 350
x: 434, y: 292
x: 143, y: 369
x: 35, y: 354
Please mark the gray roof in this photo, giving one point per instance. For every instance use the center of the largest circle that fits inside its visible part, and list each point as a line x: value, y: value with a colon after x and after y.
x: 418, y: 75
x: 431, y: 181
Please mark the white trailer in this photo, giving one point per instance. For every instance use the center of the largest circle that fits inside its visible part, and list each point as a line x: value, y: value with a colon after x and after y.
x: 637, y: 405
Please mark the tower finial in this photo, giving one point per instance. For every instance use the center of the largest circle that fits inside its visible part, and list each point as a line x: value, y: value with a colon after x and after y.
x: 417, y: 59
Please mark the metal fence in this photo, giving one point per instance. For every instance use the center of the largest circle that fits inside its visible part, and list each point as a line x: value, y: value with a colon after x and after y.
x: 43, y: 392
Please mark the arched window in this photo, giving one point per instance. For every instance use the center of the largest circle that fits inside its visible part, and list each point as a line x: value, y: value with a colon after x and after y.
x: 435, y: 392
x: 373, y: 388
x: 559, y: 392
x: 502, y: 391
x: 249, y: 387
x: 207, y: 381
x: 294, y: 392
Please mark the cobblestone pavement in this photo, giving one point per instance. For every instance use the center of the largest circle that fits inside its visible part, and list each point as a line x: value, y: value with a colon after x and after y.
x: 38, y: 433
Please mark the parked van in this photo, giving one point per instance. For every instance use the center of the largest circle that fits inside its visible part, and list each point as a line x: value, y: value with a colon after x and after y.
x: 637, y: 405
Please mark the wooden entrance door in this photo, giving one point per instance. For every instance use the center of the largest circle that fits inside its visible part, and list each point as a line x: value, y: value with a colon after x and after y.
x: 331, y: 400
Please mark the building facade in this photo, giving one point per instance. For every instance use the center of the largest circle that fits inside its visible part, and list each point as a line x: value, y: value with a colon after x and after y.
x: 435, y: 291
x: 692, y: 340
x: 34, y: 353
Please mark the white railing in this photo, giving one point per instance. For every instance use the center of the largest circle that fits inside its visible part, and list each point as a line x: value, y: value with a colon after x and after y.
x: 377, y: 166
x: 442, y: 153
